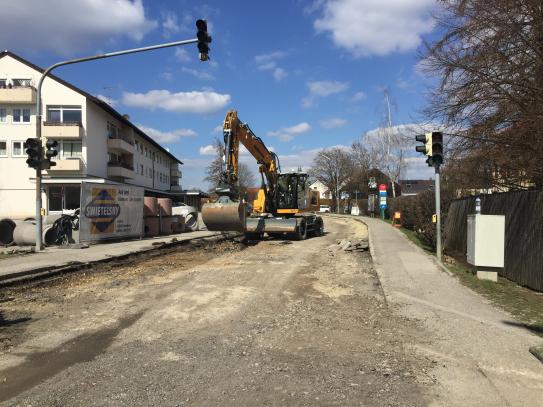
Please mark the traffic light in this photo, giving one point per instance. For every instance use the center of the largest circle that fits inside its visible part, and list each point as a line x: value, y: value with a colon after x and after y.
x: 33, y: 150
x: 437, y: 147
x: 51, y: 152
x: 426, y: 149
x: 432, y: 148
x: 203, y: 39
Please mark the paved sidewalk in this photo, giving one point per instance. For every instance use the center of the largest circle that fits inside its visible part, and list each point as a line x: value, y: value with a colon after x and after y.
x: 54, y: 258
x: 481, y: 353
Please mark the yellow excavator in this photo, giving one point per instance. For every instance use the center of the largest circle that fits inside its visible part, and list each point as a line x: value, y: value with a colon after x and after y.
x: 284, y: 207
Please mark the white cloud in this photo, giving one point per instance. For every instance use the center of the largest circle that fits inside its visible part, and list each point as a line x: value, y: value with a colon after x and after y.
x: 167, y: 137
x: 110, y: 101
x: 358, y: 96
x: 170, y: 25
x: 268, y: 62
x: 332, y: 123
x: 370, y: 27
x: 288, y: 133
x: 304, y: 158
x: 182, y: 54
x: 320, y: 89
x: 200, y: 102
x: 208, y: 150
x: 67, y: 27
x: 279, y: 74
x: 199, y: 74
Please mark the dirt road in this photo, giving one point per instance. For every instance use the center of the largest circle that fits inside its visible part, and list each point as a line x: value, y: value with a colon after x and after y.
x: 275, y: 323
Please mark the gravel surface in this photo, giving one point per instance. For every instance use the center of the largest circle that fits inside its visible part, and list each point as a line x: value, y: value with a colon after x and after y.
x: 272, y: 323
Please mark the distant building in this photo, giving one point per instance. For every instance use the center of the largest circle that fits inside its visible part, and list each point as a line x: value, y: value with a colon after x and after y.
x: 324, y: 192
x: 416, y: 186
x: 95, y: 144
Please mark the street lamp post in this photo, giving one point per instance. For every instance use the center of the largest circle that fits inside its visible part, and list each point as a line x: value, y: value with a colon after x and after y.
x: 39, y: 114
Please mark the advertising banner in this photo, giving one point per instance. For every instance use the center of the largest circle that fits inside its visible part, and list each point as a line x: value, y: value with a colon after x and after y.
x: 110, y: 211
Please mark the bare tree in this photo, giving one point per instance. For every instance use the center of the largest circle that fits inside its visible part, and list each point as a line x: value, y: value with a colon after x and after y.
x: 490, y: 68
x: 361, y: 164
x: 214, y: 177
x: 388, y: 146
x: 333, y: 168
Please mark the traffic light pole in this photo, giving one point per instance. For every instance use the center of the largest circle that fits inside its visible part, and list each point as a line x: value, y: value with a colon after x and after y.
x: 39, y: 227
x: 438, y: 212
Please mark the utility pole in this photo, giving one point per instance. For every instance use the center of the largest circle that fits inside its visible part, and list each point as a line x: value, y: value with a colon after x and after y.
x: 202, y: 40
x: 438, y: 211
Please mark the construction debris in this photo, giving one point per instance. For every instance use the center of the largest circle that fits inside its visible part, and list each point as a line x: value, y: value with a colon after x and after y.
x: 349, y: 245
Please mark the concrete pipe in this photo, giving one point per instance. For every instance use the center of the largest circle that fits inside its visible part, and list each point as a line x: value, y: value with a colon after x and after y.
x: 150, y: 206
x: 24, y: 234
x: 7, y: 226
x: 166, y: 225
x: 227, y: 216
x: 151, y: 226
x: 165, y: 206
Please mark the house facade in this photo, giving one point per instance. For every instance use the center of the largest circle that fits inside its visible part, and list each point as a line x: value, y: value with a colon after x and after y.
x: 95, y: 144
x: 324, y: 192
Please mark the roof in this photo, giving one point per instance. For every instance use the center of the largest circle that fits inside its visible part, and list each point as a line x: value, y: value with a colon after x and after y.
x: 416, y: 186
x: 95, y: 100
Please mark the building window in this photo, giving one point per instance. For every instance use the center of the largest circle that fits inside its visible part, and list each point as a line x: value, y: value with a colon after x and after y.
x: 21, y: 83
x: 72, y: 149
x: 21, y: 115
x: 141, y: 169
x: 64, y: 198
x: 3, y: 148
x: 17, y: 149
x: 112, y: 131
x: 3, y: 83
x: 64, y: 114
x: 3, y: 115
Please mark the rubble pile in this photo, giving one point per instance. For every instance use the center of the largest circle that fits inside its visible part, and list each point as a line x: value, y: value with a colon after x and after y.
x: 349, y: 245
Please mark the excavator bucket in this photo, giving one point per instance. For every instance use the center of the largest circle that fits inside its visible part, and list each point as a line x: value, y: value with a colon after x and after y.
x: 225, y: 216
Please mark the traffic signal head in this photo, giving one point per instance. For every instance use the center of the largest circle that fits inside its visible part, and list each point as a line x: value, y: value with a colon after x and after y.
x: 33, y: 150
x: 437, y: 147
x: 203, y: 39
x: 51, y: 151
x: 426, y: 149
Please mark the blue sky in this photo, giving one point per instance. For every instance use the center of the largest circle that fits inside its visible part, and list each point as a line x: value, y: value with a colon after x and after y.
x: 304, y: 75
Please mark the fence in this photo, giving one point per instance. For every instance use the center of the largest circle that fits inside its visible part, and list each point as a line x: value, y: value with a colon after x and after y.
x: 523, y: 212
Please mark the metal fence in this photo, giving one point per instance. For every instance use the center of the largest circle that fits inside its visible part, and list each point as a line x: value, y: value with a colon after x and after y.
x: 523, y: 212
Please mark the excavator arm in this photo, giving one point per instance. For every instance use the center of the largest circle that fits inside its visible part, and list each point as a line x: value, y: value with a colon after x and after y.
x: 235, y: 133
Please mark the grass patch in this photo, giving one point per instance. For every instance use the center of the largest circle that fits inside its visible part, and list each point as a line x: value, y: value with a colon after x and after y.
x: 524, y: 304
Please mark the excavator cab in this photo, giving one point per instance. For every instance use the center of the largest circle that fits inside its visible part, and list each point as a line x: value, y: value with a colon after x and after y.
x: 292, y: 192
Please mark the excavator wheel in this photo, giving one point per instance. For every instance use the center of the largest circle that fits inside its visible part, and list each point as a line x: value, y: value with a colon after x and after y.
x: 301, y: 231
x: 319, y: 228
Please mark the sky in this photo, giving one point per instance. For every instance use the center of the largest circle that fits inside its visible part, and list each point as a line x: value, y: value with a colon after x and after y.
x: 305, y: 75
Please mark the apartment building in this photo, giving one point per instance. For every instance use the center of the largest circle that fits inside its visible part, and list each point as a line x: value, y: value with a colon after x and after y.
x: 96, y: 144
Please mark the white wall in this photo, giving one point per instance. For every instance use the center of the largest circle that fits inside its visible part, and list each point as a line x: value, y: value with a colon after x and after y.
x: 17, y: 188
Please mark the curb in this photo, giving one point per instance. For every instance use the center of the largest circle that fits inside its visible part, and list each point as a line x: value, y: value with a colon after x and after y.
x: 50, y: 271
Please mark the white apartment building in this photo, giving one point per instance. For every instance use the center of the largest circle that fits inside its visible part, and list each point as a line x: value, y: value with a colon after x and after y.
x: 96, y: 144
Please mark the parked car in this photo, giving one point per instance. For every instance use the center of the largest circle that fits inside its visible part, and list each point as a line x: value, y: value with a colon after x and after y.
x: 324, y: 208
x: 190, y: 213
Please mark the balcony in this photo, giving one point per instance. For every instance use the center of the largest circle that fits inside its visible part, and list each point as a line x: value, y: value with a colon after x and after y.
x: 175, y: 173
x: 175, y: 188
x: 121, y: 145
x: 18, y: 94
x: 69, y: 164
x: 58, y: 131
x: 116, y: 169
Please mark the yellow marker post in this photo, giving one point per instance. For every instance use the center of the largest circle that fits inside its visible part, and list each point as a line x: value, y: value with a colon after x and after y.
x: 434, y: 218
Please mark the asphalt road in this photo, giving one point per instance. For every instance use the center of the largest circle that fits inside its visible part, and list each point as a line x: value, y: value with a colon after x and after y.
x: 275, y: 323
